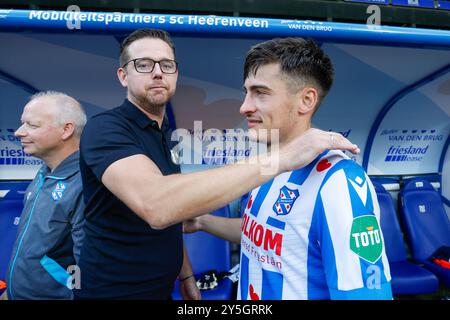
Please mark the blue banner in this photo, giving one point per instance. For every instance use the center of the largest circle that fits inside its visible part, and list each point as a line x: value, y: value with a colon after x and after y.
x: 237, y: 27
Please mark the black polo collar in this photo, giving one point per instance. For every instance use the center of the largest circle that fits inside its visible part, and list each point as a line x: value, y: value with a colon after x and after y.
x: 135, y: 114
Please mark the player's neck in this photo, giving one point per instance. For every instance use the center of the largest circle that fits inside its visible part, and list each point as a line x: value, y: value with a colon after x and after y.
x: 296, y: 131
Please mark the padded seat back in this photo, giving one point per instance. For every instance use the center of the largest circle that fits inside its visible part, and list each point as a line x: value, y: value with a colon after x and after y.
x: 426, y: 222
x: 11, y: 206
x: 208, y: 252
x: 393, y: 236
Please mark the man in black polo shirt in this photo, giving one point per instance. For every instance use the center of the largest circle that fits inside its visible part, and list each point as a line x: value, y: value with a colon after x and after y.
x: 135, y: 197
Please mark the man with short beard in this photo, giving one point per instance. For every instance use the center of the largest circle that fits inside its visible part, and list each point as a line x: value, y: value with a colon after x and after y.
x: 136, y: 197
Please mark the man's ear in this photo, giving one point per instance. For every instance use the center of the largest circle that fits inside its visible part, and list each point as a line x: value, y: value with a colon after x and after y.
x: 68, y: 130
x: 308, y: 98
x: 122, y: 75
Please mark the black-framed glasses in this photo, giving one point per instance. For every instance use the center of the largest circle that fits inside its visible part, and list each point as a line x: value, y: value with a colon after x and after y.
x: 146, y: 65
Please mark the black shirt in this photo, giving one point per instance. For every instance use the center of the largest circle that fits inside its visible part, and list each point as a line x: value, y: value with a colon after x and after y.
x: 122, y: 256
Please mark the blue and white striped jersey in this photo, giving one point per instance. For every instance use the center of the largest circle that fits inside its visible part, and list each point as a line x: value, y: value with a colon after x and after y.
x: 314, y: 233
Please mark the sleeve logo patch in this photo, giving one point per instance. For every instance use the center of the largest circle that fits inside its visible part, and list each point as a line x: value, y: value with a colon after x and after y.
x: 365, y: 238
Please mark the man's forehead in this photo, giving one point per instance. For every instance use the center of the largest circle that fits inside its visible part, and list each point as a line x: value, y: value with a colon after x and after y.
x: 264, y: 76
x: 40, y: 107
x: 150, y: 48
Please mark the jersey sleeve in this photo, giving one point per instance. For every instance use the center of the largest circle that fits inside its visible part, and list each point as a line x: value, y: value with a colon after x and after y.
x: 351, y: 241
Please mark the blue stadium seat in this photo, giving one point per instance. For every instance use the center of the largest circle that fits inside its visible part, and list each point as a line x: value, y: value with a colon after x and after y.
x: 407, y: 277
x: 370, y: 1
x: 11, y: 206
x: 206, y: 253
x: 443, y: 4
x: 426, y: 224
x: 414, y: 3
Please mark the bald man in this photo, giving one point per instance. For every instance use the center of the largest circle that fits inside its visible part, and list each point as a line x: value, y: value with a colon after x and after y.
x: 44, y: 256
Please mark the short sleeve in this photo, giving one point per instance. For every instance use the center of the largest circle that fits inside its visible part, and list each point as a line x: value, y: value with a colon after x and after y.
x: 105, y: 140
x: 352, y: 244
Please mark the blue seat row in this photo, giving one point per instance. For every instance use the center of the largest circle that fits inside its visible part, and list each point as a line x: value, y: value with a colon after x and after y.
x: 426, y: 228
x: 11, y: 205
x: 426, y: 223
x: 441, y: 4
x: 407, y: 277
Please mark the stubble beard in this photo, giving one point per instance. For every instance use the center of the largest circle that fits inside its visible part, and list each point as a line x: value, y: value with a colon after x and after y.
x: 151, y: 104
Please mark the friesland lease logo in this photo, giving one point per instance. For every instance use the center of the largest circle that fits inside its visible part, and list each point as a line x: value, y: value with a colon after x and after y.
x: 365, y: 238
x: 409, y: 153
x: 10, y: 155
x: 285, y: 201
x: 410, y: 145
x: 58, y: 192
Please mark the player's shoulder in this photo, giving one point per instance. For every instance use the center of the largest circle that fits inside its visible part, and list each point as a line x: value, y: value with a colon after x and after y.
x: 338, y: 162
x: 103, y: 125
x: 333, y: 156
x: 110, y: 115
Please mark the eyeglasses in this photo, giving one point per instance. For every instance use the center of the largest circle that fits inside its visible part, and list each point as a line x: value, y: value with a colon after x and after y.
x: 146, y: 65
